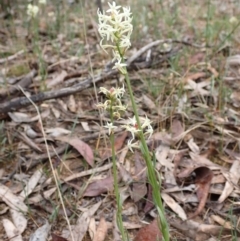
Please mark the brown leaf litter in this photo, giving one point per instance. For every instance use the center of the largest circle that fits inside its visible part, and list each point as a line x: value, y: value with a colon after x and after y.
x: 195, y: 141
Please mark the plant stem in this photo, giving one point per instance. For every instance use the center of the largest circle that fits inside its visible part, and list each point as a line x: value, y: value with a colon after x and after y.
x: 115, y: 178
x: 151, y: 171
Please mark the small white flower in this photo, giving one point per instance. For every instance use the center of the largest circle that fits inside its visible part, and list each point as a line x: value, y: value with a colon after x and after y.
x: 113, y: 8
x: 120, y: 108
x: 146, y: 126
x: 42, y: 2
x: 115, y: 93
x: 132, y: 127
x: 119, y: 92
x: 132, y: 145
x: 106, y: 31
x: 117, y: 115
x: 110, y: 127
x: 125, y: 42
x: 145, y: 122
x: 51, y: 14
x: 149, y: 131
x: 233, y: 20
x: 116, y: 56
x: 103, y: 90
x: 127, y: 12
x: 133, y: 130
x: 120, y: 66
x: 32, y: 10
x: 104, y: 105
x: 132, y: 121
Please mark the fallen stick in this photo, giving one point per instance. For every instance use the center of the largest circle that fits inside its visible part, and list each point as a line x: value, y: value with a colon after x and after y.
x: 17, y: 103
x: 20, y: 102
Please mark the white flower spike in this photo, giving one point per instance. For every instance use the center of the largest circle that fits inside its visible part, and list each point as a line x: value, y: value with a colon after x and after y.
x: 115, y: 27
x: 113, y: 101
x: 32, y: 10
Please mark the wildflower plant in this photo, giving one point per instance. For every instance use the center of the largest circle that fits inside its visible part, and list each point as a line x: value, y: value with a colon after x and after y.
x: 35, y: 13
x: 32, y: 10
x: 115, y: 29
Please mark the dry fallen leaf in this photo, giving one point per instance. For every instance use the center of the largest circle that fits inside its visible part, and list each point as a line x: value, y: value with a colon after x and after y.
x: 31, y: 184
x: 101, y: 230
x: 177, y: 129
x: 162, y: 156
x: 195, y: 59
x: 19, y: 117
x: 19, y: 220
x: 72, y: 104
x: 139, y: 187
x: 203, y: 179
x: 193, y: 146
x: 198, y: 88
x: 92, y: 228
x: 57, y: 131
x: 55, y: 237
x: 197, y: 231
x: 149, y: 203
x: 203, y: 182
x: 13, y: 233
x: 222, y: 222
x: 12, y: 200
x: 41, y: 233
x: 57, y: 79
x: 232, y: 180
x: 105, y: 153
x: 124, y: 175
x: 98, y: 187
x: 150, y: 232
x: 81, y: 227
x: 29, y: 142
x: 83, y: 148
x: 148, y: 103
x: 174, y: 206
x: 200, y: 160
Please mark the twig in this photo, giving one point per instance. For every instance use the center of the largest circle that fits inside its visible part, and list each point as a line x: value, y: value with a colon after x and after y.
x: 21, y: 102
x: 40, y: 158
x: 17, y: 103
x: 156, y: 43
x: 13, y: 172
x: 58, y: 151
x: 88, y: 172
x: 24, y: 82
x: 12, y: 57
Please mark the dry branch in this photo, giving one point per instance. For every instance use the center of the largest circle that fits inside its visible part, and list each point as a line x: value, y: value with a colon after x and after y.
x: 21, y: 102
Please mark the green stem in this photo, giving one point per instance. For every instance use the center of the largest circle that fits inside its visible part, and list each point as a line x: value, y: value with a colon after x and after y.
x: 151, y: 171
x: 115, y: 178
